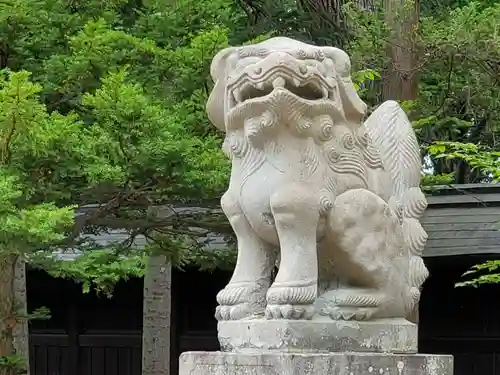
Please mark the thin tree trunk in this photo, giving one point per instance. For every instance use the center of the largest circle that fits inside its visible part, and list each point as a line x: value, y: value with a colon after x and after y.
x: 156, y: 317
x: 400, y: 81
x: 402, y: 76
x: 21, y: 333
x: 7, y: 313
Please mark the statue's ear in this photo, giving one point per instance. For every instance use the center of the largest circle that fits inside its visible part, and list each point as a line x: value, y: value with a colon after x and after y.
x: 354, y: 107
x: 218, y: 66
x: 217, y: 98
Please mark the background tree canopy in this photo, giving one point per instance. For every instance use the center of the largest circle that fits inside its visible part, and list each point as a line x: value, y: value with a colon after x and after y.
x: 102, y: 105
x: 103, y: 102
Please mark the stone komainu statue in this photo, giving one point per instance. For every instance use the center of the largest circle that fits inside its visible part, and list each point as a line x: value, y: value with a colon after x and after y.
x: 335, y: 200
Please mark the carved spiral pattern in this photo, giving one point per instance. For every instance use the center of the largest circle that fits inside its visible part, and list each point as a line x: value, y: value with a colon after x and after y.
x: 320, y: 55
x: 418, y: 271
x: 370, y: 153
x: 333, y: 156
x: 347, y: 163
x: 255, y: 125
x: 244, y: 53
x: 231, y: 296
x: 415, y: 296
x: 325, y: 129
x: 248, y: 52
x: 325, y: 204
x: 263, y: 52
x: 292, y: 295
x: 268, y: 119
x: 357, y: 300
x: 303, y: 125
x: 348, y: 141
x: 372, y: 157
x: 252, y: 127
x: 397, y: 208
x: 302, y: 54
x: 415, y: 236
x: 363, y: 138
x: 236, y: 145
x: 415, y: 203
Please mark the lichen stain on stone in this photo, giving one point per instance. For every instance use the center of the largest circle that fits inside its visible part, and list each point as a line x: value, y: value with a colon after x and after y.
x: 433, y: 366
x: 400, y: 366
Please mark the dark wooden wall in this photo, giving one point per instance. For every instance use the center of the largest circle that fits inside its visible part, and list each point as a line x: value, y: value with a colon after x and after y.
x: 464, y: 322
x: 195, y: 327
x: 92, y: 335
x: 86, y: 335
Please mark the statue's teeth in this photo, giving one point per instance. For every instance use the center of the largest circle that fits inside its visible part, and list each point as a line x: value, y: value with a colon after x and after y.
x: 296, y: 82
x: 279, y: 82
x: 260, y: 85
x: 325, y: 92
x: 237, y: 95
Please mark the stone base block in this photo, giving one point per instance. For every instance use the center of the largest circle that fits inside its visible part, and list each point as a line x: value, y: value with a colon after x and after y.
x: 323, y: 336
x: 217, y: 363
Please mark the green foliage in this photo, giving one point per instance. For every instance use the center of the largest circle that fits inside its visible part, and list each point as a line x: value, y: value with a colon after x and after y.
x: 476, y: 156
x: 27, y: 132
x: 41, y: 313
x: 12, y: 364
x: 363, y: 78
x: 102, y: 105
x: 457, y: 103
x: 490, y: 274
x: 100, y: 269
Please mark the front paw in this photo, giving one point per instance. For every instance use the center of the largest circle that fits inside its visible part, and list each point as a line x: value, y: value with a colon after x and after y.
x: 241, y: 301
x: 291, y: 302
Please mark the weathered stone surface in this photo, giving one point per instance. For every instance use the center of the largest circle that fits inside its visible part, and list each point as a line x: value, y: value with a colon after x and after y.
x: 335, y: 202
x: 319, y: 335
x: 335, y: 199
x: 216, y: 363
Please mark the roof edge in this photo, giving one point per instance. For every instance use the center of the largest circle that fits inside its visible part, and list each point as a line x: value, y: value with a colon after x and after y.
x: 464, y: 194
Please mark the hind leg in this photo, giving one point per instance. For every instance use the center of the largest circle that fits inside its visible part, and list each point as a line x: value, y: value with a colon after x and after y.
x: 245, y: 295
x: 296, y: 215
x: 372, y: 256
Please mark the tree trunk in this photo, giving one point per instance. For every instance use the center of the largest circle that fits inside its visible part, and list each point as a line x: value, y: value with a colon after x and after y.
x: 21, y: 333
x: 401, y: 79
x: 156, y: 317
x: 7, y: 313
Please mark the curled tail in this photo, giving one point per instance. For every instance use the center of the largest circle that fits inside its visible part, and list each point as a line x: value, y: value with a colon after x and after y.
x: 392, y: 134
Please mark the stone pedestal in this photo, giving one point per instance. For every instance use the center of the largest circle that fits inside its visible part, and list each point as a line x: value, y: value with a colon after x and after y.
x: 320, y: 335
x: 316, y: 347
x: 275, y: 363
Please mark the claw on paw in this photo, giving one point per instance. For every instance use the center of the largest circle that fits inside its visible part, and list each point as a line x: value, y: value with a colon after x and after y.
x: 351, y: 313
x: 291, y: 302
x: 294, y: 312
x: 238, y: 312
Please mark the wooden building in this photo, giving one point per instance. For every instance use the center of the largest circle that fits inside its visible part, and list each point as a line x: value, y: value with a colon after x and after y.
x: 88, y: 335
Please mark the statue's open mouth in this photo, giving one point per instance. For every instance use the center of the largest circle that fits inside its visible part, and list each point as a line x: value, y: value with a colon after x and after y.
x: 253, y: 89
